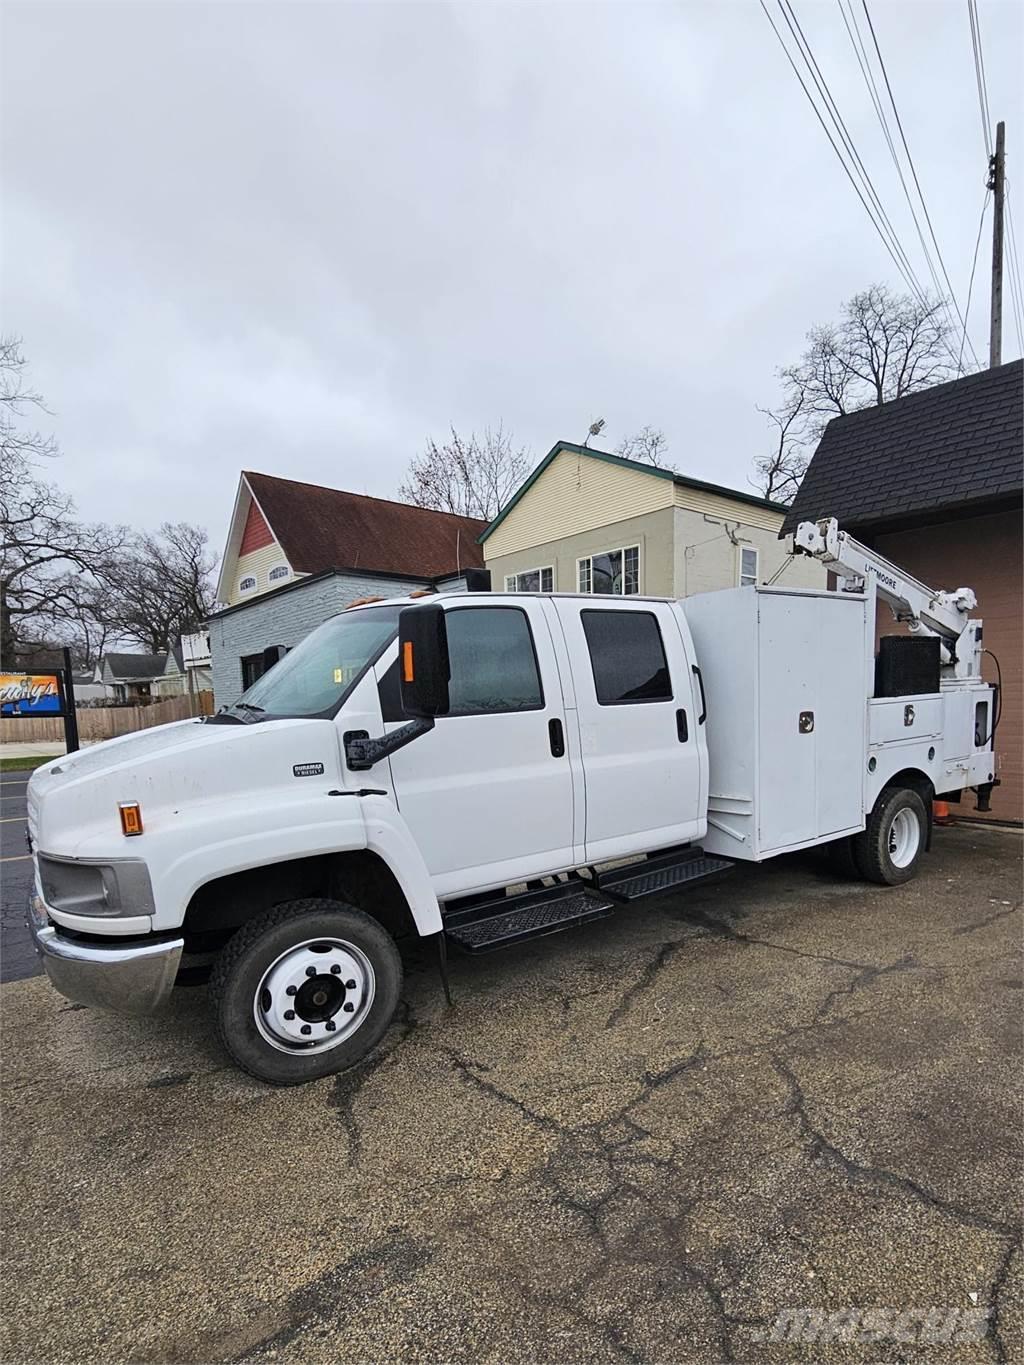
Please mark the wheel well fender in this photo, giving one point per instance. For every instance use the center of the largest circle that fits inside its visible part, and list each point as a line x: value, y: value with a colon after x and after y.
x: 359, y: 877
x: 913, y: 779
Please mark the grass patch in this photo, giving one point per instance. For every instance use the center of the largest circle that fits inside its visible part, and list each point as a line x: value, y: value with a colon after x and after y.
x: 13, y: 765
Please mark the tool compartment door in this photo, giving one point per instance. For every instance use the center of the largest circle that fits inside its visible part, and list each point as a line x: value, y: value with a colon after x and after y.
x: 811, y: 718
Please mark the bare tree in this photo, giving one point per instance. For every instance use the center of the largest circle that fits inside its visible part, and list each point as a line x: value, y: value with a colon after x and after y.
x: 649, y: 444
x: 160, y: 586
x: 16, y: 398
x: 49, y: 561
x: 473, y: 475
x: 884, y: 346
x: 778, y: 475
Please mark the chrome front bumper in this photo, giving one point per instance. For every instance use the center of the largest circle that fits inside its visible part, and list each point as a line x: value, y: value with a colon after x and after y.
x: 131, y: 978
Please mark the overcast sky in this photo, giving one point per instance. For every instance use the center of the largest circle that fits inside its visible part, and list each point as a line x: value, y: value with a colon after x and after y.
x: 302, y: 237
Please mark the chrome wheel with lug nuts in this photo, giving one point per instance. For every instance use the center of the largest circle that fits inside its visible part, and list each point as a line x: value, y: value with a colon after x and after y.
x: 305, y: 989
x: 314, y: 996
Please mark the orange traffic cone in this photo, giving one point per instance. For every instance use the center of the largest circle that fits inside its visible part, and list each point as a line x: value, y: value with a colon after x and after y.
x: 940, y: 813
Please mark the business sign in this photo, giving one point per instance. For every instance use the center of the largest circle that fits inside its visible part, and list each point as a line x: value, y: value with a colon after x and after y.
x: 31, y: 694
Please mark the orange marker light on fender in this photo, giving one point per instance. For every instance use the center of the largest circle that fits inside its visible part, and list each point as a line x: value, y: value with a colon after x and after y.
x: 131, y: 818
x: 407, y: 667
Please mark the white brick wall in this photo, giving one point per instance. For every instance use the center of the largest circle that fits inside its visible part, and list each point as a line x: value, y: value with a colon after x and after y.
x: 285, y: 618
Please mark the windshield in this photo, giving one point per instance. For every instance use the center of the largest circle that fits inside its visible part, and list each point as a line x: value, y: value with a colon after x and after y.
x: 315, y: 677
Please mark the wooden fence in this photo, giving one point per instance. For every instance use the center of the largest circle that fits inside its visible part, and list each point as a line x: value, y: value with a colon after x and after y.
x: 104, y: 722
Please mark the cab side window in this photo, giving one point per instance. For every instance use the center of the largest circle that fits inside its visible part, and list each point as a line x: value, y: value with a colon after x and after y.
x: 627, y: 657
x: 493, y: 662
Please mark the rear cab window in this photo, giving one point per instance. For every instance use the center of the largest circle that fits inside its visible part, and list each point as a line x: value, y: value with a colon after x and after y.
x: 627, y: 656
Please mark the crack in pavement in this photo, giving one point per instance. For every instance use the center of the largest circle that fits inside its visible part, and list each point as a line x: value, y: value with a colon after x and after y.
x: 989, y: 919
x: 349, y: 1084
x: 656, y: 1239
x: 664, y: 955
x: 866, y: 972
x: 464, y: 1066
x: 868, y: 977
x: 995, y: 1300
x: 341, y: 1288
x: 819, y: 1145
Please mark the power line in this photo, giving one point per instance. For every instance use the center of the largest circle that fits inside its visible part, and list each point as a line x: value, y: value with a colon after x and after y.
x: 804, y: 48
x: 913, y: 171
x: 1016, y: 284
x: 970, y: 286
x: 864, y: 62
x: 907, y: 274
x: 1011, y: 256
x: 979, y: 74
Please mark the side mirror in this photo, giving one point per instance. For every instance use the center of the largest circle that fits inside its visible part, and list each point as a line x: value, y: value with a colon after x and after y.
x: 272, y: 655
x: 423, y: 667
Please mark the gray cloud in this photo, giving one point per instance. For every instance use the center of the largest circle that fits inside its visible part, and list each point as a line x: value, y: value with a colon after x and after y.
x: 301, y: 237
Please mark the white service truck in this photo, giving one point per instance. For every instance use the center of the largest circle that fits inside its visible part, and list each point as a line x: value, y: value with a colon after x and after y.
x: 483, y: 768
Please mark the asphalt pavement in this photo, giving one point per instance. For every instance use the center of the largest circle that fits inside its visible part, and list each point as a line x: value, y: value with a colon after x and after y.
x: 17, y: 957
x: 690, y: 1132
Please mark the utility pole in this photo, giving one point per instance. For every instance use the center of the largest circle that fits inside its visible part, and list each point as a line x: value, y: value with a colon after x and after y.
x: 996, y: 183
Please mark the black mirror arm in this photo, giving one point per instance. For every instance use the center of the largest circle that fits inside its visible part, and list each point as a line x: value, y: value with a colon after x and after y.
x: 362, y: 752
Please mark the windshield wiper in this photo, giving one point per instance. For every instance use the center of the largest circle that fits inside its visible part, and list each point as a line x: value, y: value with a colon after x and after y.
x: 232, y: 712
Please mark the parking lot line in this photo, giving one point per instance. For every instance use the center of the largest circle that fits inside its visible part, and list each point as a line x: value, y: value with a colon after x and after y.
x: 17, y: 858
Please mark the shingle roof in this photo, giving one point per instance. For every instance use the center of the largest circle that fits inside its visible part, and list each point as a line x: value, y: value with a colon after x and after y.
x: 327, y: 528
x: 947, y: 449
x: 135, y: 665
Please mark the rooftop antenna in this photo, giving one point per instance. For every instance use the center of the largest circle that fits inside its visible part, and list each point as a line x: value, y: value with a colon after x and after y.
x: 595, y: 430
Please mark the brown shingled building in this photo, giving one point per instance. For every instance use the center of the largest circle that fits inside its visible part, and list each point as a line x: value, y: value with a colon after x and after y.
x: 298, y: 553
x: 933, y: 481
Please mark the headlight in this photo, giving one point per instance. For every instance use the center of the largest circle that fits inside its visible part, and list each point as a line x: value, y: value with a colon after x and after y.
x: 118, y: 887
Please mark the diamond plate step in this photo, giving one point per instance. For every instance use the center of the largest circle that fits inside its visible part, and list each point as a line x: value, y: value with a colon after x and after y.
x: 642, y: 879
x: 513, y: 919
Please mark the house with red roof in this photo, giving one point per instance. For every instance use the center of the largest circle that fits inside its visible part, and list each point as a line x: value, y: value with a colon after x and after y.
x: 298, y: 553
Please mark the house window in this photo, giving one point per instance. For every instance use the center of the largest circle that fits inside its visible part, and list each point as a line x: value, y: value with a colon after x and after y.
x: 627, y: 657
x: 252, y: 668
x: 493, y: 664
x: 531, y: 580
x: 247, y: 584
x: 278, y: 572
x: 616, y: 572
x: 748, y: 567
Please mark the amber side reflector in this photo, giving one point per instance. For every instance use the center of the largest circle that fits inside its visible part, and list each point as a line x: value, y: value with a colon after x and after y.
x: 407, y: 668
x: 131, y: 817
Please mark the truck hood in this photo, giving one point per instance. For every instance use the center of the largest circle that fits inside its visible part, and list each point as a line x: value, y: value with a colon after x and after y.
x: 73, y: 801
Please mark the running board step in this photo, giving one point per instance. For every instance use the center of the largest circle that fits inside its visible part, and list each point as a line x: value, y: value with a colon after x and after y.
x: 661, y: 876
x: 503, y: 920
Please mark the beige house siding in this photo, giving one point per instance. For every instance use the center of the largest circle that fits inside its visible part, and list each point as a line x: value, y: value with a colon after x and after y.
x: 707, y: 557
x: 714, y: 505
x: 258, y: 564
x: 576, y: 494
x: 652, y: 533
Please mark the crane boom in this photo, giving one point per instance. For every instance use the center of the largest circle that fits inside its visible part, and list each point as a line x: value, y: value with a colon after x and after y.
x: 921, y: 608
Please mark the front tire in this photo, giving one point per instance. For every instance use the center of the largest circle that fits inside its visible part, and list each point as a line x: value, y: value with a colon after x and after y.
x: 305, y: 990
x: 889, y: 850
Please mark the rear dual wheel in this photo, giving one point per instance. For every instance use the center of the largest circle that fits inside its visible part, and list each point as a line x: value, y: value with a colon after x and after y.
x: 305, y: 990
x: 889, y: 850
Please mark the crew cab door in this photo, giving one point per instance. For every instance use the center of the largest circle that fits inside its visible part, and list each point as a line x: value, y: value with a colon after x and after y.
x: 488, y: 793
x: 642, y: 742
